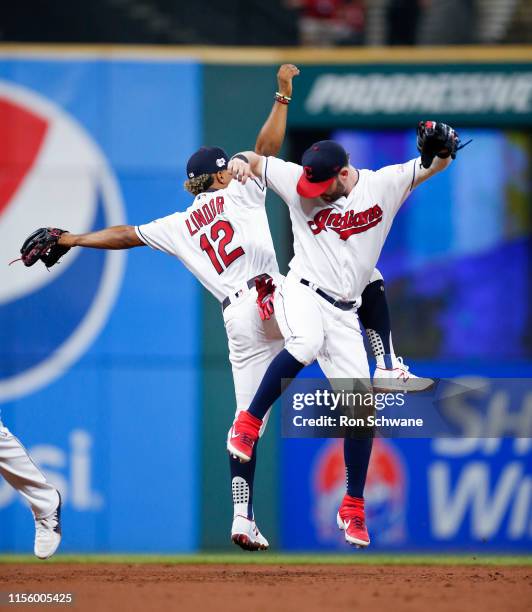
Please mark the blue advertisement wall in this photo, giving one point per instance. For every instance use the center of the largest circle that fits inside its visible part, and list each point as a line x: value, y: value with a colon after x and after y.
x: 99, y: 357
x: 463, y: 494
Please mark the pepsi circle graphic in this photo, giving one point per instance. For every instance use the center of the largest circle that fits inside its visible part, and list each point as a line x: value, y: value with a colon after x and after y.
x: 52, y: 173
x: 385, y: 492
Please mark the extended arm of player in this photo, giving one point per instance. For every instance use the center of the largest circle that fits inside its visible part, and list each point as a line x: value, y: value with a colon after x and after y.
x: 242, y: 170
x: 422, y: 174
x: 271, y: 135
x: 117, y: 237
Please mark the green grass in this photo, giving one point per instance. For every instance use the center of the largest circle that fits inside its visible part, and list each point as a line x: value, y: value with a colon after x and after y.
x: 355, y: 558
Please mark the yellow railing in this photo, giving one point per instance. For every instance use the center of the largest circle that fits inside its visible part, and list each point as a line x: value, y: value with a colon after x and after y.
x: 265, y: 55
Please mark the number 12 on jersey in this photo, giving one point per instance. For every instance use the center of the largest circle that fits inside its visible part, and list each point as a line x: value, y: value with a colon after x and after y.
x: 227, y: 258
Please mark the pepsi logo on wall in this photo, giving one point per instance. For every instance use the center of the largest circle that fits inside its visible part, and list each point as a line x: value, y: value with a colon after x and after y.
x: 385, y: 493
x: 52, y: 173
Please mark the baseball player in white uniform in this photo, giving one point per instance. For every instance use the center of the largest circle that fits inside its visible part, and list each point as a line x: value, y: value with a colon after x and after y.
x: 340, y: 219
x: 223, y: 238
x: 19, y: 470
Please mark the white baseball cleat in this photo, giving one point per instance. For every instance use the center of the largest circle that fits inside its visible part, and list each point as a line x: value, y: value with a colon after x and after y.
x: 245, y: 533
x: 398, y: 377
x: 48, y: 533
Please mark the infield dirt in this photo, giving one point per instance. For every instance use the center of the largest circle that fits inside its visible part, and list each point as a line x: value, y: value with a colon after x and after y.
x: 298, y: 588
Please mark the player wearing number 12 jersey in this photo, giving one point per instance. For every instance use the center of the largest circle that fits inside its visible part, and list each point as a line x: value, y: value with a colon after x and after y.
x: 224, y: 239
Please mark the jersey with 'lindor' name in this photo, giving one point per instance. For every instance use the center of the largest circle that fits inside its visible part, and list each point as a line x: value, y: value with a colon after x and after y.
x: 223, y: 237
x: 337, y: 245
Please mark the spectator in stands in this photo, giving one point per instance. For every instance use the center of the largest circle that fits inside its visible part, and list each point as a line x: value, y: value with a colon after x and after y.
x: 326, y: 23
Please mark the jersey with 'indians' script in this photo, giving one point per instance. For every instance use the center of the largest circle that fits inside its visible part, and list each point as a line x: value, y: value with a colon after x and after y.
x: 223, y: 237
x: 337, y: 244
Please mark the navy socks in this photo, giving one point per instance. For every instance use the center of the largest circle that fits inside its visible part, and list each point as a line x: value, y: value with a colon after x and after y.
x: 271, y: 388
x: 357, y: 452
x: 242, y: 476
x: 375, y: 317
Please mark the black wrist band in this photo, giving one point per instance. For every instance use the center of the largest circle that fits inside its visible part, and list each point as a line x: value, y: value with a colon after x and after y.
x: 241, y: 156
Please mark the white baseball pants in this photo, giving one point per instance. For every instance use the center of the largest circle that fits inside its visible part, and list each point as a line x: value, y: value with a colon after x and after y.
x: 252, y: 346
x: 315, y: 329
x: 17, y: 467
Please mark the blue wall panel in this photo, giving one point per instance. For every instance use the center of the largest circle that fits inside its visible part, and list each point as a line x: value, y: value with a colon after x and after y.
x: 113, y: 418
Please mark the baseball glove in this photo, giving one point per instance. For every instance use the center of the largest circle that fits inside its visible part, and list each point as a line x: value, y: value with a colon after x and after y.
x: 265, y: 289
x: 42, y: 244
x: 436, y: 139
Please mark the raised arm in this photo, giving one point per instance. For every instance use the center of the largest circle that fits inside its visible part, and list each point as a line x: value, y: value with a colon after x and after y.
x: 438, y: 144
x: 279, y: 175
x: 117, y: 237
x: 422, y: 173
x: 271, y: 135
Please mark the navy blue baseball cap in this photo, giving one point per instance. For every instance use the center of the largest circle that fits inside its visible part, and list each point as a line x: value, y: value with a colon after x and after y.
x: 321, y: 164
x: 207, y: 160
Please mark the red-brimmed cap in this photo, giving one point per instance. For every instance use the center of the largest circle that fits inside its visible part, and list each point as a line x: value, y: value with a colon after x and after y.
x: 307, y: 189
x: 321, y: 164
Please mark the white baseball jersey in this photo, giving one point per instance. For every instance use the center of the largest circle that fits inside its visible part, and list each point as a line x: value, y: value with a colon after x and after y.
x: 337, y: 244
x: 223, y: 237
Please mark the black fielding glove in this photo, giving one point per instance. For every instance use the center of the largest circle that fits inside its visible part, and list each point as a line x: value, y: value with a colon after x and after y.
x: 436, y: 139
x: 42, y: 244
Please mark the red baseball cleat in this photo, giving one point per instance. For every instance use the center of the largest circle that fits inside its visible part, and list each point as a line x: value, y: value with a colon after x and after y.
x: 351, y: 520
x: 243, y: 435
